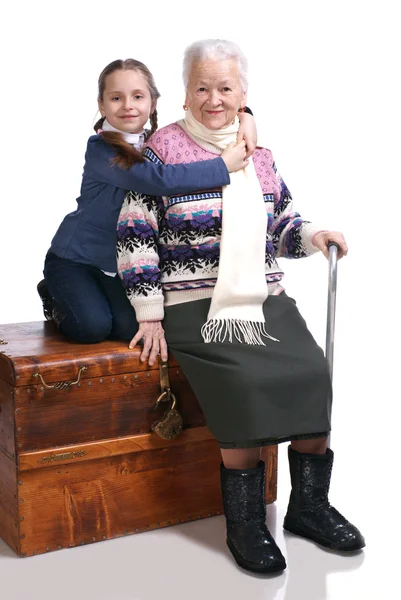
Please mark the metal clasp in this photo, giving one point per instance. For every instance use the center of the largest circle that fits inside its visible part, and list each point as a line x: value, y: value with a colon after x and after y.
x: 164, y: 378
x: 61, y: 385
x: 166, y: 394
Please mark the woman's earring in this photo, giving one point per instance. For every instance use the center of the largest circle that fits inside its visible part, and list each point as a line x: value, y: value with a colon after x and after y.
x: 185, y: 107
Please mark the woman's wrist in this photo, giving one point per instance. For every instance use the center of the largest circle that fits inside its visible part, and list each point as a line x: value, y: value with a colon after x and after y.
x: 318, y: 233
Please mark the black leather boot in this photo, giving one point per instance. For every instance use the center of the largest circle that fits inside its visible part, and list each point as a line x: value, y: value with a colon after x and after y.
x: 248, y: 538
x: 50, y: 309
x: 46, y: 298
x: 309, y: 513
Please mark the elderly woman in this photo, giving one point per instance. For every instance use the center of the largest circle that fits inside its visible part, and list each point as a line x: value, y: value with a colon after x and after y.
x: 205, y: 263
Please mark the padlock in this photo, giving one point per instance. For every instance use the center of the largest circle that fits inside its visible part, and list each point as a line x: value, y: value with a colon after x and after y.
x: 170, y: 426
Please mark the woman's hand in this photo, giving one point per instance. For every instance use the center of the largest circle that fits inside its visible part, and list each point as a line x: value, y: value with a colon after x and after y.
x: 154, y: 341
x: 247, y: 132
x: 322, y: 239
x: 234, y: 156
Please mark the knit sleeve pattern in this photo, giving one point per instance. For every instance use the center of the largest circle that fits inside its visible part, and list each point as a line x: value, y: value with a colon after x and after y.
x: 292, y: 235
x: 137, y: 254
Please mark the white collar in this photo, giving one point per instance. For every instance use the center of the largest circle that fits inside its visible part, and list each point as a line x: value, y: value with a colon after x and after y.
x: 136, y: 139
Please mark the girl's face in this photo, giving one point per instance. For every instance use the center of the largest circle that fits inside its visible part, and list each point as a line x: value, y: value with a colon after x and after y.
x: 126, y: 102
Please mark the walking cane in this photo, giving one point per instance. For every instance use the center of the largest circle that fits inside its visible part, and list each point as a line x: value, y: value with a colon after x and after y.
x: 331, y: 307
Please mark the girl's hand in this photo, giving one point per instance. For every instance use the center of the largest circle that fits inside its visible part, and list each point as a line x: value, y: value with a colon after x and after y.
x: 247, y: 132
x: 234, y: 156
x: 154, y: 341
x: 322, y: 239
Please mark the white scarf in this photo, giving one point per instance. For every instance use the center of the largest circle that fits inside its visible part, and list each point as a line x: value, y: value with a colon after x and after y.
x: 135, y: 139
x: 241, y: 288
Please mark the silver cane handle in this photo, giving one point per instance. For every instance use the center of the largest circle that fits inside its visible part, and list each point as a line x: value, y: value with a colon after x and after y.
x: 331, y: 304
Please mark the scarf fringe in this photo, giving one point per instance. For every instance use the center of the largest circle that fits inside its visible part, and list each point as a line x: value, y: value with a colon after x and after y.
x: 223, y: 330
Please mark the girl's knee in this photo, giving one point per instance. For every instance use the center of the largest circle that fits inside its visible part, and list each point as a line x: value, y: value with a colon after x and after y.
x: 88, y: 331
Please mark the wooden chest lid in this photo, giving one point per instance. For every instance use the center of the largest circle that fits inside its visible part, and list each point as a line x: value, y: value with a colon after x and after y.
x: 38, y: 347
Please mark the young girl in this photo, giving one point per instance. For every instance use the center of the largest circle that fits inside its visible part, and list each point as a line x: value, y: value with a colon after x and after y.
x: 81, y: 291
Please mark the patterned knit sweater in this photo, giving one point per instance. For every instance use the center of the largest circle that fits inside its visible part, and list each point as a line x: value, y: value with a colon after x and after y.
x: 168, y: 248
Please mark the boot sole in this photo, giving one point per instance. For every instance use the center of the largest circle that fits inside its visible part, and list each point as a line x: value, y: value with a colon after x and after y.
x: 261, y: 570
x: 324, y: 544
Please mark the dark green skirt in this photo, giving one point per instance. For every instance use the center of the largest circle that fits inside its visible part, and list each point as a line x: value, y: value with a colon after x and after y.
x: 255, y: 395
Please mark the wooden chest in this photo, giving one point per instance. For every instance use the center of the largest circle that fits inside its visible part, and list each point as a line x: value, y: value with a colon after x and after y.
x: 79, y: 463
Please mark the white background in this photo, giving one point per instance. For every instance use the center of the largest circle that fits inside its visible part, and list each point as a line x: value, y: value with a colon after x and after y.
x: 324, y: 88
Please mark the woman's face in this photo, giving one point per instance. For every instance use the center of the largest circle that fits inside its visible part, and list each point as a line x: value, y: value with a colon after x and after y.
x: 214, y: 92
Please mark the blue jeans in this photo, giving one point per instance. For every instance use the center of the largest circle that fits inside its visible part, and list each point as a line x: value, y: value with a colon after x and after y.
x: 92, y: 306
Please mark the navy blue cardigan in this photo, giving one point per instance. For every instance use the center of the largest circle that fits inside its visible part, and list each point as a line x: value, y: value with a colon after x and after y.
x: 88, y: 235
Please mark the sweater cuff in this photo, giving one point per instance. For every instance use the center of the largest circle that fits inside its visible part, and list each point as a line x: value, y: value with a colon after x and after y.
x: 149, y: 309
x: 308, y: 232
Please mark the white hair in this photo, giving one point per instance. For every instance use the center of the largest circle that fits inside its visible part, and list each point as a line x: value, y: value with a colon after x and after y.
x: 217, y: 50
